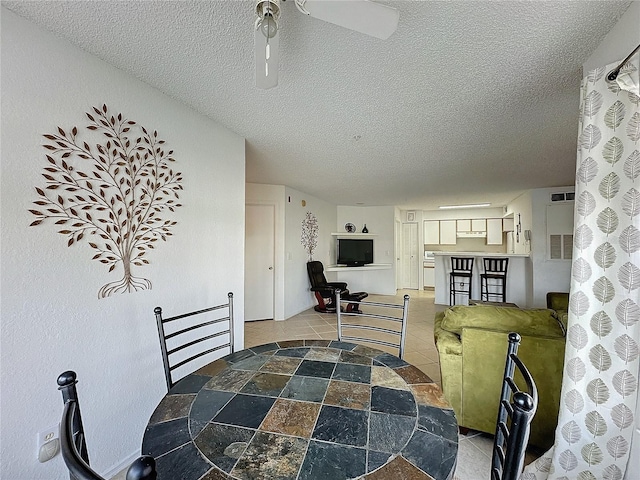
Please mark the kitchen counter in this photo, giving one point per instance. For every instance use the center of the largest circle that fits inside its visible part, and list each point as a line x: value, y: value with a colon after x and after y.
x: 481, y: 254
x: 519, y: 276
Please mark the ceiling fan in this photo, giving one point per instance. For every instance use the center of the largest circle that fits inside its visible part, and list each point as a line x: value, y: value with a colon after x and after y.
x: 362, y: 16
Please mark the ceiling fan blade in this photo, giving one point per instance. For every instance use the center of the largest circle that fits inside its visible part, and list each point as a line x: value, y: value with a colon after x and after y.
x: 266, y: 68
x: 370, y: 18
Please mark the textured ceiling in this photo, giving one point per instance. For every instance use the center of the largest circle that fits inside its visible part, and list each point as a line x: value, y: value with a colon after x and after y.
x: 467, y: 102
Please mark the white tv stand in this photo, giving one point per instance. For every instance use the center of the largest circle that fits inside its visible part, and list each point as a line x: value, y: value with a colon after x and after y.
x: 368, y: 266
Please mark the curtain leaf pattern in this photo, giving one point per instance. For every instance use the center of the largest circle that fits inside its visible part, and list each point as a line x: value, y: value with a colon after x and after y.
x: 600, y: 386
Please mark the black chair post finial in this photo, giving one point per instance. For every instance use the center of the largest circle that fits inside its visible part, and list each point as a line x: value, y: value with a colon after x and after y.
x: 73, y: 445
x: 67, y: 382
x: 518, y: 406
x: 143, y: 468
x: 67, y: 385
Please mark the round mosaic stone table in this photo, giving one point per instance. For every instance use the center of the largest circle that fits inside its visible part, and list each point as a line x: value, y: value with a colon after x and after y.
x: 304, y: 409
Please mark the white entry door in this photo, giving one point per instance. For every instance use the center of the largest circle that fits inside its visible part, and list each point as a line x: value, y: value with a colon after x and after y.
x: 259, y: 262
x: 410, y: 256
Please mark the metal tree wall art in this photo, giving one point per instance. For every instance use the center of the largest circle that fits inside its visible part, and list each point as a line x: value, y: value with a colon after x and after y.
x: 309, y: 237
x: 115, y: 194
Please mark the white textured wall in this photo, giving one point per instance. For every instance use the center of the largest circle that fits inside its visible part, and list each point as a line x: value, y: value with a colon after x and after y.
x: 548, y: 275
x: 380, y: 222
x: 619, y: 42
x: 52, y: 319
x: 297, y: 295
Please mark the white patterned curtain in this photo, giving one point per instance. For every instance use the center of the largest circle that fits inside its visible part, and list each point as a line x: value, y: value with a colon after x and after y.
x: 600, y: 384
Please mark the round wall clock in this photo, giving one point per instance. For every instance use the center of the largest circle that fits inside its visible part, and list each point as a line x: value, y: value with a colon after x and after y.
x: 350, y: 227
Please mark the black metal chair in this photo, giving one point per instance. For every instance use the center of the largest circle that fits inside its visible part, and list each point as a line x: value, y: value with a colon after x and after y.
x: 460, y: 278
x: 495, y: 276
x: 377, y: 328
x: 184, y: 342
x: 74, y: 447
x: 325, y: 292
x: 517, y: 409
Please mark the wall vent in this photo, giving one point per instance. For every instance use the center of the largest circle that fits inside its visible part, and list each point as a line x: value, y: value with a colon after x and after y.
x: 563, y: 197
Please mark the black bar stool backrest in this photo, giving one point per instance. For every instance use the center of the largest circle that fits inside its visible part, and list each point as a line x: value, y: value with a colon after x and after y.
x: 496, y: 265
x: 74, y: 447
x: 184, y: 341
x: 515, y: 412
x: 461, y: 265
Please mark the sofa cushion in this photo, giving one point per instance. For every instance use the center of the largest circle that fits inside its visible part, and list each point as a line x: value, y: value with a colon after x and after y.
x: 541, y: 322
x: 558, y: 301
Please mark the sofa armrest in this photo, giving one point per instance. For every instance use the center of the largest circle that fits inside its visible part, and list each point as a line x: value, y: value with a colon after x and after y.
x: 483, y: 360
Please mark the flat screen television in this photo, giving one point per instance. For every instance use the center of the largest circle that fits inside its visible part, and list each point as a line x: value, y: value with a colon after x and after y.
x: 355, y: 252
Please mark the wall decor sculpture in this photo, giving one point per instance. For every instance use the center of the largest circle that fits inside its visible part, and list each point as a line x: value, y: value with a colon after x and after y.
x: 309, y: 237
x: 114, y: 191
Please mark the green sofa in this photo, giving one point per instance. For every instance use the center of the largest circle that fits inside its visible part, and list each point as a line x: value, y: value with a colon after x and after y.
x: 472, y: 346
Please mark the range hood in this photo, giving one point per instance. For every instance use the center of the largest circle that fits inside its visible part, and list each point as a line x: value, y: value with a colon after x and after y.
x: 471, y: 234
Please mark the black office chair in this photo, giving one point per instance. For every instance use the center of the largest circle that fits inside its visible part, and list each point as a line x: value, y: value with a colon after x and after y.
x: 515, y: 413
x: 325, y: 292
x: 74, y: 447
x: 186, y: 347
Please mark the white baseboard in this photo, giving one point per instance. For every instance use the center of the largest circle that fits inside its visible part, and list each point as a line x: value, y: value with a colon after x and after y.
x: 117, y: 468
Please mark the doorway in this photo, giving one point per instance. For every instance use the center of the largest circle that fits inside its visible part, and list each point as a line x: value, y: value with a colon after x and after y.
x: 410, y: 256
x: 259, y: 262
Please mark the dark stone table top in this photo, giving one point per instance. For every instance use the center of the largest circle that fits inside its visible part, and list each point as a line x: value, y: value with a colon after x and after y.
x: 304, y: 409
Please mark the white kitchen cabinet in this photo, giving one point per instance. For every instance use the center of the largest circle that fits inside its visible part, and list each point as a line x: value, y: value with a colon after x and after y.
x: 479, y: 225
x: 448, y: 232
x: 432, y: 232
x: 463, y: 226
x: 429, y: 276
x: 507, y: 224
x: 472, y: 225
x: 494, y: 231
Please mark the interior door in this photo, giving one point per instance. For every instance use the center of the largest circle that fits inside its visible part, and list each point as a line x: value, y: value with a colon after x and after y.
x: 398, y: 253
x: 410, y: 256
x: 259, y: 262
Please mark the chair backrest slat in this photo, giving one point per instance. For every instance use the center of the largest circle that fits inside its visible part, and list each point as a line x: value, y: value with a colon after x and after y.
x: 182, y: 340
x: 193, y: 327
x: 72, y: 443
x: 495, y: 265
x: 462, y: 264
x: 346, y: 322
x: 518, y: 408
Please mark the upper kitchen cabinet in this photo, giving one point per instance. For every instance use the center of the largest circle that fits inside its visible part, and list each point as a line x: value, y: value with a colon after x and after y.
x: 463, y: 226
x: 494, y: 231
x: 467, y: 226
x: 448, y: 232
x: 432, y: 232
x: 507, y: 224
x: 479, y: 225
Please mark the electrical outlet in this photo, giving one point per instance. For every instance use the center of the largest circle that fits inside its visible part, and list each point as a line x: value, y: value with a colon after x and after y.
x: 48, y: 444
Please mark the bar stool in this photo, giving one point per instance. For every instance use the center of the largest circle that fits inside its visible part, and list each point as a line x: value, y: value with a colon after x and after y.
x: 495, y: 275
x: 460, y: 276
